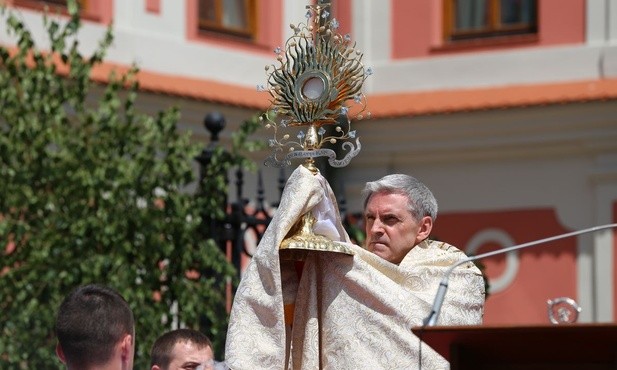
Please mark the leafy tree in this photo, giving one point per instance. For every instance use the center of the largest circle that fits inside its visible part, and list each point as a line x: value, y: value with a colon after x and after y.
x: 94, y: 191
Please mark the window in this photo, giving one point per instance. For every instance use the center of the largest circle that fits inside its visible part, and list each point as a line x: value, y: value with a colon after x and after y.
x: 475, y: 19
x: 50, y: 3
x: 58, y: 2
x: 89, y: 8
x: 231, y: 17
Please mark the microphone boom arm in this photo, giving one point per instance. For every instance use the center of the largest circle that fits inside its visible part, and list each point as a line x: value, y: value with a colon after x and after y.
x: 431, y: 319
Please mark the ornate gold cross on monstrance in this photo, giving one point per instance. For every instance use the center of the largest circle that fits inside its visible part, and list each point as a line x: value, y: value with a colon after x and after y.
x: 317, y: 84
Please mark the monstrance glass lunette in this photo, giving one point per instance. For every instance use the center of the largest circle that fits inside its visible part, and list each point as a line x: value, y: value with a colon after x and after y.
x: 315, y: 90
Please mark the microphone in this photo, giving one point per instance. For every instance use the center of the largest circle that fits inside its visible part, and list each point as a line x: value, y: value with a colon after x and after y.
x: 431, y: 319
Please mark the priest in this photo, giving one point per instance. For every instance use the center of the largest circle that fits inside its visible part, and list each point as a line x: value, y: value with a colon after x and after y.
x: 310, y: 299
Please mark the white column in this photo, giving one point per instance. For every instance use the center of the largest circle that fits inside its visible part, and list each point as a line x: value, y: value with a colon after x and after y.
x: 605, y: 179
x: 371, y: 30
x: 294, y: 12
x: 595, y: 22
x: 611, y: 12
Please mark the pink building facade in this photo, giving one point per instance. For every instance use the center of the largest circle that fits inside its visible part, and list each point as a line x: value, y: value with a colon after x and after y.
x: 512, y: 122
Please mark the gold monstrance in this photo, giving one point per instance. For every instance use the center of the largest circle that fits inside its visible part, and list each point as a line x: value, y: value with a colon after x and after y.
x: 320, y: 72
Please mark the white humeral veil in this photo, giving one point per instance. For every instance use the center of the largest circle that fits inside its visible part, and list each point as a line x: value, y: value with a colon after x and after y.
x: 350, y: 312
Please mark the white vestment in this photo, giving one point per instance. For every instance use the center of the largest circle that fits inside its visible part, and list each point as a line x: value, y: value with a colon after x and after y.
x: 349, y: 312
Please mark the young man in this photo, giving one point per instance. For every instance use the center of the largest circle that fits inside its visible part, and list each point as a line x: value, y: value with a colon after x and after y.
x: 96, y: 330
x: 182, y: 349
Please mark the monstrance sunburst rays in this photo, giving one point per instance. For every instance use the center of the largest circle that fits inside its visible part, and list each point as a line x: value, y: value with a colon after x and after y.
x: 319, y: 73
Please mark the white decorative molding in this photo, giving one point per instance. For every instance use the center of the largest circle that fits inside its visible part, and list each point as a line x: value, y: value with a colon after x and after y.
x: 512, y: 261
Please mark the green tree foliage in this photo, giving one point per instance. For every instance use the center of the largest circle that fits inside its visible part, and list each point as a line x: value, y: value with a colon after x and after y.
x: 94, y: 191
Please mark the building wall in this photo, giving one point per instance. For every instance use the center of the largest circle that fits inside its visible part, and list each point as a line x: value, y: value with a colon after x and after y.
x: 507, y: 177
x: 401, y: 40
x: 529, y: 169
x: 501, y: 176
x: 417, y: 59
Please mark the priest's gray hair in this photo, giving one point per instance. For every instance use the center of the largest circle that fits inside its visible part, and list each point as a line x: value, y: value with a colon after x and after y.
x: 421, y: 201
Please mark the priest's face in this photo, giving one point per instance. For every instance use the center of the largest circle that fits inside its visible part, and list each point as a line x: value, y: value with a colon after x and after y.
x: 391, y: 230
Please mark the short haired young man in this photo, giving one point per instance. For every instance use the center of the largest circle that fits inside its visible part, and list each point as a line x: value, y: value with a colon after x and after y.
x: 182, y: 349
x: 96, y: 330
